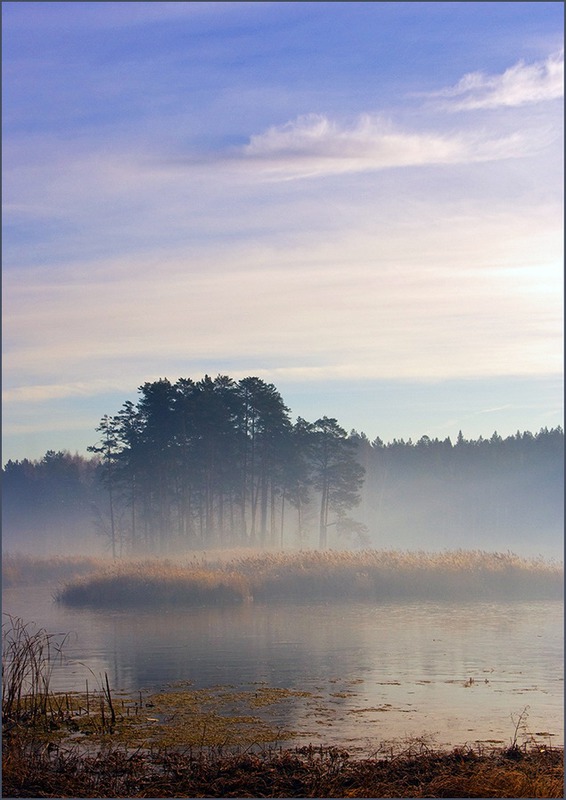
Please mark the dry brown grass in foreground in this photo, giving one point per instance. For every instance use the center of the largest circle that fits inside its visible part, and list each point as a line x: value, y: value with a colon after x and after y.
x: 57, y: 771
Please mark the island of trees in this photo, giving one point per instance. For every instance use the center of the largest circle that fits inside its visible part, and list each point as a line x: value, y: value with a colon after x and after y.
x: 195, y: 465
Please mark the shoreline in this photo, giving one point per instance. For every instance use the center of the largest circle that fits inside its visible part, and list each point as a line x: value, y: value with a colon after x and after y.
x: 417, y: 771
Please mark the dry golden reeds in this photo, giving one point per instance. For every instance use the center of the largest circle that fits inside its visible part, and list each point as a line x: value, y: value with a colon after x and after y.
x: 311, y: 575
x: 149, y: 583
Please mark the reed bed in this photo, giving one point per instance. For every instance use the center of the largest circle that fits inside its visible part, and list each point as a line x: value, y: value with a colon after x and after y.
x: 29, y: 655
x: 23, y: 569
x: 30, y: 770
x: 376, y: 575
x: 28, y: 658
x: 149, y: 583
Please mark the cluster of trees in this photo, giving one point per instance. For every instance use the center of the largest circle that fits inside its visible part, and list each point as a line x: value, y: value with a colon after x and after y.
x: 213, y: 463
x: 217, y: 463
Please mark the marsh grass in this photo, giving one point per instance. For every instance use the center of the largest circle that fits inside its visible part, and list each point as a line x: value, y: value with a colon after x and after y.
x: 29, y: 656
x: 33, y: 771
x: 147, y: 583
x: 321, y: 575
x: 28, y: 659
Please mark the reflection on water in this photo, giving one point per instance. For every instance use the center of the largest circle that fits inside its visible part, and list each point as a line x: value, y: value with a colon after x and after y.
x: 376, y: 672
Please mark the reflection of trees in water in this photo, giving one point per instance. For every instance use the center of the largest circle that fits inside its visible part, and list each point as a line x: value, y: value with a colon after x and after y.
x: 228, y: 645
x: 300, y: 648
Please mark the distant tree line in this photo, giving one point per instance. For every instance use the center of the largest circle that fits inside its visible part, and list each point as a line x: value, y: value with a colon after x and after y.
x: 51, y: 504
x: 495, y: 492
x: 219, y: 463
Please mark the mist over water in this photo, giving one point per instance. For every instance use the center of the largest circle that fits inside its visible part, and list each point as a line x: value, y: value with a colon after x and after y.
x: 455, y: 671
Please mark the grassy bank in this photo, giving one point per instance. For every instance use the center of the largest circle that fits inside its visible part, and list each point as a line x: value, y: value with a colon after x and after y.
x: 34, y: 771
x: 327, y: 575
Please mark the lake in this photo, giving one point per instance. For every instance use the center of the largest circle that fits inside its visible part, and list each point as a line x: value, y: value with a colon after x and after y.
x: 454, y: 673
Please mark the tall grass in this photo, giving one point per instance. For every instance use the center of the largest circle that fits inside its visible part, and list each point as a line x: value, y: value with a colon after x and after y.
x: 28, y: 659
x: 393, y: 574
x: 322, y: 575
x: 29, y: 656
x: 149, y: 582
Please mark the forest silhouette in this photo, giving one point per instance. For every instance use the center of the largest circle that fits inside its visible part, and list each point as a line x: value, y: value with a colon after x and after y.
x: 218, y: 463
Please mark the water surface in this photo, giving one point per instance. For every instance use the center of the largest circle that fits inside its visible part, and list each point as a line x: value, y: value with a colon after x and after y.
x: 456, y: 673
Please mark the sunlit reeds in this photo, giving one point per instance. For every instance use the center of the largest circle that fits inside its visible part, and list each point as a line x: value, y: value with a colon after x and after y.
x: 322, y: 575
x: 149, y: 582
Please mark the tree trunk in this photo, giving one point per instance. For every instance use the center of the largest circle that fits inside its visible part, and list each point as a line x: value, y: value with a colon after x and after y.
x: 112, y: 523
x: 282, y: 519
x: 322, y: 539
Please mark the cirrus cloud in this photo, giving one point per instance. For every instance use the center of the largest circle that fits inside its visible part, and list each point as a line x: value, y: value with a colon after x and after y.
x: 520, y: 85
x: 314, y: 145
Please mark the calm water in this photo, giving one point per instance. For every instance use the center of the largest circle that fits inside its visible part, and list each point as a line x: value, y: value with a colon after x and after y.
x: 376, y: 672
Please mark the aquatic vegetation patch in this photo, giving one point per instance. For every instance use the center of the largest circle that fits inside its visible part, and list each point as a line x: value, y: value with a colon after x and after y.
x: 378, y: 575
x: 149, y: 583
x: 219, y: 716
x: 188, y: 718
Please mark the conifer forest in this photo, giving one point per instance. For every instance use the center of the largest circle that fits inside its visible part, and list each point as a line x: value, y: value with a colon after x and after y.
x: 219, y: 463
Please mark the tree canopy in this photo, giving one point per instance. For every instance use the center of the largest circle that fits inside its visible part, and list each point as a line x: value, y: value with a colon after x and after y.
x: 218, y: 462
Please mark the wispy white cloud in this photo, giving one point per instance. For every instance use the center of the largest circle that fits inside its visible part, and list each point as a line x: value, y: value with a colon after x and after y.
x: 314, y: 145
x: 39, y: 393
x: 522, y: 84
x: 494, y: 409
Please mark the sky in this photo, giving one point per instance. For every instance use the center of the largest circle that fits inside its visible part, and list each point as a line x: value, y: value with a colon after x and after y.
x: 361, y: 203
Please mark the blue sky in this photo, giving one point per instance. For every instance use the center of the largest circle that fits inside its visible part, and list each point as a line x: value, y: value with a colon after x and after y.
x: 359, y: 202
